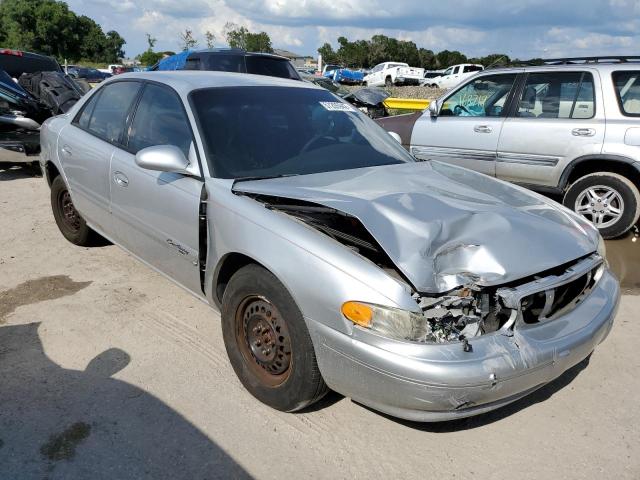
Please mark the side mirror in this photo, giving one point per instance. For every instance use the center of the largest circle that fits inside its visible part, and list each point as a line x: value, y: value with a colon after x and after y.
x: 434, y: 108
x: 395, y: 136
x: 163, y: 158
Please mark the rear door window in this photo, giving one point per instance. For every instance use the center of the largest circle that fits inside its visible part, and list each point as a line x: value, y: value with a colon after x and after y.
x: 160, y: 119
x: 557, y: 95
x: 111, y: 110
x: 627, y: 85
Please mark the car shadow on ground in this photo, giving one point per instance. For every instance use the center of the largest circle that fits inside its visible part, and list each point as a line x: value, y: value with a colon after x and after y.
x: 10, y: 171
x: 540, y: 395
x: 64, y: 423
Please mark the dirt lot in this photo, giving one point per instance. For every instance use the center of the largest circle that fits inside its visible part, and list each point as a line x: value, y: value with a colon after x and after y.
x: 107, y: 370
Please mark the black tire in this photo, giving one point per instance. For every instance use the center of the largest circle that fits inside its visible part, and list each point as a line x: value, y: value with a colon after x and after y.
x: 35, y: 169
x: 626, y: 198
x: 388, y: 82
x: 71, y: 224
x: 256, y: 308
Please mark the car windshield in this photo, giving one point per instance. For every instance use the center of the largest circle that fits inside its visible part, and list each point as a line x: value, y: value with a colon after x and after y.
x: 278, y: 131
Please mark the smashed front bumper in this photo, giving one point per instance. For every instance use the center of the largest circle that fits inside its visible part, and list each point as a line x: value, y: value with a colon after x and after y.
x: 434, y: 382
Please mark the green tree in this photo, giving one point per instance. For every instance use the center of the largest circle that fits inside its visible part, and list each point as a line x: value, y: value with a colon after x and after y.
x: 241, y: 37
x: 187, y: 40
x: 328, y: 54
x: 49, y: 27
x: 151, y: 41
x: 210, y: 38
x: 149, y: 57
x: 446, y: 58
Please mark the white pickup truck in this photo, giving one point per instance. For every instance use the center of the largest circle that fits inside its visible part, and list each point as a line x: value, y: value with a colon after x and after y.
x: 454, y: 75
x: 393, y: 73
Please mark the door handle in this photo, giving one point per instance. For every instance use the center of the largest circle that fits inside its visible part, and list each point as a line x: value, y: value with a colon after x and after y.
x: 482, y: 129
x: 66, y: 149
x: 120, y: 179
x: 583, y: 132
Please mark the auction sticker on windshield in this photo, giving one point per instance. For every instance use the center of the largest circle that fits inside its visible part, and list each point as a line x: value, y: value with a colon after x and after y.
x: 337, y: 106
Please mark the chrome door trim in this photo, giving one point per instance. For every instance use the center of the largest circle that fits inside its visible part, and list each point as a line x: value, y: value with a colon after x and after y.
x: 426, y: 153
x: 528, y: 159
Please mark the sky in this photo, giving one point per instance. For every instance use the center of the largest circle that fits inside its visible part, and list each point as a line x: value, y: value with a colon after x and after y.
x: 520, y: 28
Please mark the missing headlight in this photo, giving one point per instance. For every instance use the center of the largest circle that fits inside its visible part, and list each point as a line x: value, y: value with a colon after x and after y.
x: 461, y: 314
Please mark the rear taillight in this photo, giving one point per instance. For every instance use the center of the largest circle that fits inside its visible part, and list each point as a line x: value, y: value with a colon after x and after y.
x: 6, y: 51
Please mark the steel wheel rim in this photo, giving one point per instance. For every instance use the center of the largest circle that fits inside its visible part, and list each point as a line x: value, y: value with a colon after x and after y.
x: 70, y: 215
x: 264, y: 340
x: 601, y: 205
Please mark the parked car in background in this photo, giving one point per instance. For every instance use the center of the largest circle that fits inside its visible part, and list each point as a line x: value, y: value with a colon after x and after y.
x: 430, y: 74
x: 571, y: 129
x: 454, y: 75
x: 91, y: 75
x: 110, y: 68
x: 444, y: 293
x: 306, y: 70
x: 393, y: 73
x: 327, y: 70
x: 119, y: 70
x: 32, y: 88
x: 230, y: 60
x: 345, y: 75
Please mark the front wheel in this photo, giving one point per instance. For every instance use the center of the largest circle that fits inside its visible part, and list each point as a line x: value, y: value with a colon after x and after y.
x: 608, y: 200
x: 388, y: 82
x: 268, y: 343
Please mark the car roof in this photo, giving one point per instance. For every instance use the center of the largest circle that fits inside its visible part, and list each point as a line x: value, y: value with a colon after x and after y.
x: 184, y: 81
x: 235, y: 51
x: 603, y: 67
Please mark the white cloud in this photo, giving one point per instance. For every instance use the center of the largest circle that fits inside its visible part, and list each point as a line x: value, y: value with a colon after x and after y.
x: 520, y: 28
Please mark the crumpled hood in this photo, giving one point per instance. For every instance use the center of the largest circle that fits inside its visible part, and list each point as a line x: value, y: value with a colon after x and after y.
x: 445, y: 226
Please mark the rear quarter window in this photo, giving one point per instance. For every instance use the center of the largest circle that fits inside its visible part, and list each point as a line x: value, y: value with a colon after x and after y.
x: 627, y: 86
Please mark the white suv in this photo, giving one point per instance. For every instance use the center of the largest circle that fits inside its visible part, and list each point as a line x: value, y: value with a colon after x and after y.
x: 571, y: 129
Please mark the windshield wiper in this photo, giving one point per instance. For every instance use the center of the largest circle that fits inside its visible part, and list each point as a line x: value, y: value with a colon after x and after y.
x: 263, y: 177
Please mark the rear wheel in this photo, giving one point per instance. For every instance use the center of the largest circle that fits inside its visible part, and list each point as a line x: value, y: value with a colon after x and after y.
x: 388, y: 82
x: 69, y: 221
x: 268, y: 343
x: 608, y: 200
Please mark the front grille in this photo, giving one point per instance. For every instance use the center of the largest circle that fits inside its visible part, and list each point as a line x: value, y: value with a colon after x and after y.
x: 554, y: 294
x: 548, y: 303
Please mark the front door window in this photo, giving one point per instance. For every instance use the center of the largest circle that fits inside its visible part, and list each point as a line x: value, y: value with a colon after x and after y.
x: 483, y: 97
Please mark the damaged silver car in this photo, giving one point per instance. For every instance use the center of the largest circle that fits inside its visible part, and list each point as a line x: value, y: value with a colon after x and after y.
x: 337, y: 260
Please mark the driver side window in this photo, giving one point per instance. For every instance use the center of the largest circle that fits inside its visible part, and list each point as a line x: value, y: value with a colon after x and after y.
x: 483, y: 97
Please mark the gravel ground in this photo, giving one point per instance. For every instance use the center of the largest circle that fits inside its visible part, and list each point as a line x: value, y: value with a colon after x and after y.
x: 408, y: 92
x: 109, y: 371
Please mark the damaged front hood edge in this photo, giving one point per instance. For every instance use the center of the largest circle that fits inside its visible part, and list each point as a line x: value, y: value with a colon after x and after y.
x: 444, y: 229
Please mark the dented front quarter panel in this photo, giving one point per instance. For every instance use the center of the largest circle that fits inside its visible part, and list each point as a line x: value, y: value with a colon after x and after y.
x: 318, y: 272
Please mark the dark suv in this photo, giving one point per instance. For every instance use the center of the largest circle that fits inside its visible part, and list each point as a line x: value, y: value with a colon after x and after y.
x: 230, y: 60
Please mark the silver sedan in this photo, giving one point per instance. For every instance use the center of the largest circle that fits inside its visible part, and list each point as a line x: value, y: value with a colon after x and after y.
x: 420, y: 289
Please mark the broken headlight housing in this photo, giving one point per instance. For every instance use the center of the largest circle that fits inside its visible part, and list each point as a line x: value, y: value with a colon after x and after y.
x: 387, y: 321
x: 455, y: 316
